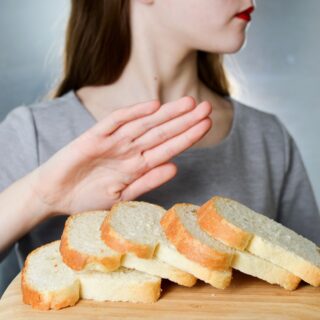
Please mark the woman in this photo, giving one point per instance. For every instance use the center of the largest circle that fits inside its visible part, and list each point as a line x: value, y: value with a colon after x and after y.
x: 144, y: 112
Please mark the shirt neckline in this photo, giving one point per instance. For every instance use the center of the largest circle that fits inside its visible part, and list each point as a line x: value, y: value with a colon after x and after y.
x: 221, y: 144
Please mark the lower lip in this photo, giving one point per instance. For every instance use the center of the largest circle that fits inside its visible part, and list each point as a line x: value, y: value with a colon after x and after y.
x: 244, y: 16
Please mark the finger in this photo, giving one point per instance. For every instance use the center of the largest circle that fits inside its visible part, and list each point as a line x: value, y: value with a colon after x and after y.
x: 149, y: 181
x: 121, y: 116
x: 173, y: 127
x: 167, y: 112
x: 169, y: 149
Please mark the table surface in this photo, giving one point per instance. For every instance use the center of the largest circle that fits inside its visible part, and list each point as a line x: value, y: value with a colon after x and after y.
x: 246, y: 298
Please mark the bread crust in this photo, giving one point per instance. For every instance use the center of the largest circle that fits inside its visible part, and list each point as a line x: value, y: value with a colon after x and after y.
x: 219, y: 228
x: 215, y: 225
x: 190, y: 247
x: 58, y: 299
x: 79, y: 260
x: 120, y: 244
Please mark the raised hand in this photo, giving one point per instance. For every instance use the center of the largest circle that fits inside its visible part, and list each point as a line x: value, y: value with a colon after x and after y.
x: 123, y: 156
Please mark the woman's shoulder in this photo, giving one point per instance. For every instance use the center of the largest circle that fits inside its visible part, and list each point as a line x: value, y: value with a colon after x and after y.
x: 255, y: 120
x: 63, y: 114
x: 64, y: 106
x: 25, y: 113
x: 263, y: 130
x: 50, y: 124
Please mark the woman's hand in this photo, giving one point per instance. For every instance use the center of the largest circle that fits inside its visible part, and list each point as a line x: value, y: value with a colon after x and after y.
x: 121, y: 157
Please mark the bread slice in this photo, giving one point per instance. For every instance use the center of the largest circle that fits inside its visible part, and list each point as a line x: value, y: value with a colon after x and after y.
x: 82, y: 249
x: 253, y: 265
x: 134, y: 227
x: 218, y: 279
x: 81, y: 246
x: 121, y: 285
x: 159, y: 268
x: 48, y: 283
x: 240, y: 227
x: 182, y: 229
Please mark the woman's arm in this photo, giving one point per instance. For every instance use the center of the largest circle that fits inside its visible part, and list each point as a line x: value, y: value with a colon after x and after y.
x: 123, y: 156
x: 21, y: 210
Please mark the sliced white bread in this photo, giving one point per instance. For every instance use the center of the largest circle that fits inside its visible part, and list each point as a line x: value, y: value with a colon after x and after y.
x: 83, y: 249
x: 48, y: 283
x: 182, y: 229
x: 218, y: 279
x: 134, y: 227
x: 81, y: 245
x: 120, y: 285
x: 240, y: 227
x: 162, y: 269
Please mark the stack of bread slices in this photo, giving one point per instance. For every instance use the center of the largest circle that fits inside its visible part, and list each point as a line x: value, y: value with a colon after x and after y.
x: 122, y: 254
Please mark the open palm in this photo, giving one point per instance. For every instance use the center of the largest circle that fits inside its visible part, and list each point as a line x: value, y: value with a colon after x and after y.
x: 123, y: 156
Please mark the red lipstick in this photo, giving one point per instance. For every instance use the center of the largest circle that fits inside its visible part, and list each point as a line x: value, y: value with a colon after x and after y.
x: 245, y: 15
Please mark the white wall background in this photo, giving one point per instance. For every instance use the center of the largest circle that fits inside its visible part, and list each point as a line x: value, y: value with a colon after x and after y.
x: 278, y: 70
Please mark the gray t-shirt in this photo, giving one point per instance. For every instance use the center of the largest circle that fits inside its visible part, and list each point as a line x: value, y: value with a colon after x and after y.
x: 258, y: 164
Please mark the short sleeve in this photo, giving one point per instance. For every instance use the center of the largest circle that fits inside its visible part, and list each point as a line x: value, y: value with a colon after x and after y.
x: 18, y: 145
x: 298, y: 209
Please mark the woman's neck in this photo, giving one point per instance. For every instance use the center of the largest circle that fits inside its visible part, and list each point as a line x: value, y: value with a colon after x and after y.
x: 160, y: 67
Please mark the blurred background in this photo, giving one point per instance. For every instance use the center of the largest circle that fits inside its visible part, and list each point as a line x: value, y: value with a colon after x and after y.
x: 277, y: 71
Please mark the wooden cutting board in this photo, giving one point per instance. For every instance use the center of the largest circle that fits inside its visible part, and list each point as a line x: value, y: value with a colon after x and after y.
x: 246, y: 298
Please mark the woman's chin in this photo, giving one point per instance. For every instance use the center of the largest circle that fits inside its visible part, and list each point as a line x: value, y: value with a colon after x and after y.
x: 229, y: 43
x: 235, y: 45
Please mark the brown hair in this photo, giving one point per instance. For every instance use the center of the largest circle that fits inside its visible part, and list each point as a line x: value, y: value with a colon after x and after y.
x: 98, y: 45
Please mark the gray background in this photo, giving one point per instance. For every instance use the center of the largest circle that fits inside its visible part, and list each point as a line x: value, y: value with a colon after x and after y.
x: 278, y: 70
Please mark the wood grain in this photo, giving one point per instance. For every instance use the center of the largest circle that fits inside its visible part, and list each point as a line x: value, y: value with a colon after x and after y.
x: 246, y: 298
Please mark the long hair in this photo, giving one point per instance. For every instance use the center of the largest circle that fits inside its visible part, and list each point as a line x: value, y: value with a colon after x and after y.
x: 98, y: 45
